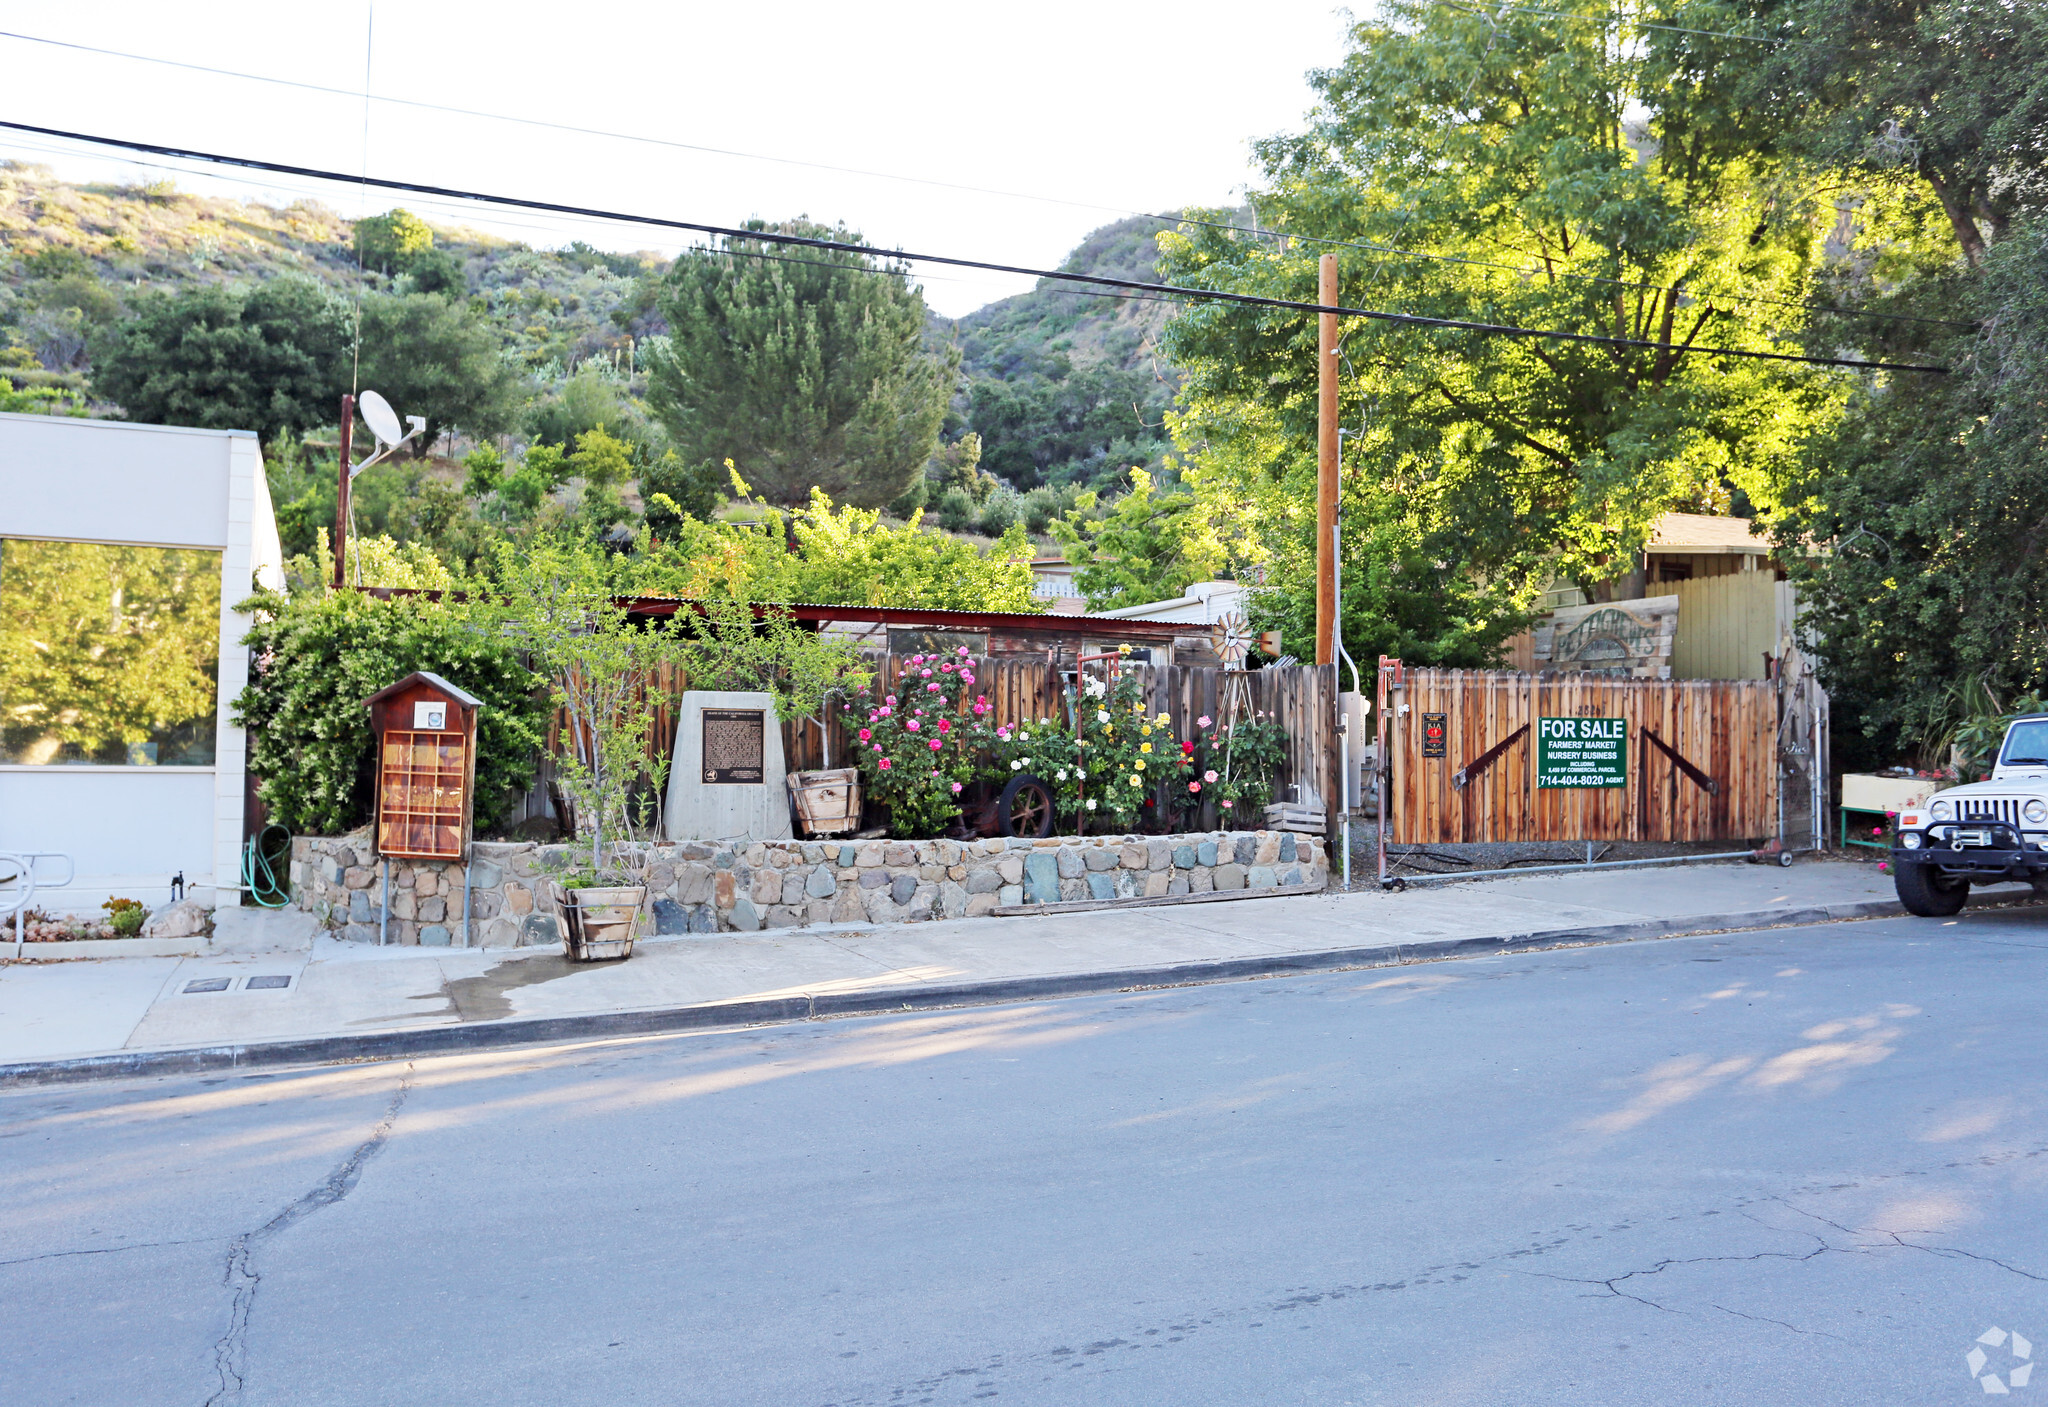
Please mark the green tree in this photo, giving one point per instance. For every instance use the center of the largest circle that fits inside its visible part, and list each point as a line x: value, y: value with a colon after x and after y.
x: 842, y: 556
x: 1511, y: 145
x: 1151, y: 545
x: 268, y: 359
x: 1922, y: 514
x: 392, y: 242
x: 805, y: 368
x: 431, y: 356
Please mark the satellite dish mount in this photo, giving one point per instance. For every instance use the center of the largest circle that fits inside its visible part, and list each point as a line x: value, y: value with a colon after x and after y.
x: 383, y: 422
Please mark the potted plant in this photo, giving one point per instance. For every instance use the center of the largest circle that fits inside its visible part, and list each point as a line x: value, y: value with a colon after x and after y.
x: 559, y: 598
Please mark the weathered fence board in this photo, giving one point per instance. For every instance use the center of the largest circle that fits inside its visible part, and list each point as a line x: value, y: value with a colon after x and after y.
x: 1724, y: 729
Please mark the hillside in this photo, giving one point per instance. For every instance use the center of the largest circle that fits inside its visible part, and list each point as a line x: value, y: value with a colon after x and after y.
x: 1065, y: 386
x: 71, y: 256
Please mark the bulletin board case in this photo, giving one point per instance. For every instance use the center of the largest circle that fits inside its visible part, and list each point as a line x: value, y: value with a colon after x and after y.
x: 425, y: 730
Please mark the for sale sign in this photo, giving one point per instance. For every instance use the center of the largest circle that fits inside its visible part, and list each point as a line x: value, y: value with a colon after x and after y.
x: 1581, y: 752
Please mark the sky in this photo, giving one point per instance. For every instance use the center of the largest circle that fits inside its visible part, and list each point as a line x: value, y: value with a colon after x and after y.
x: 1023, y: 127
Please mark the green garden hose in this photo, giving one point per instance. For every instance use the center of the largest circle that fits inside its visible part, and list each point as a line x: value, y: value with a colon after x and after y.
x: 267, y: 853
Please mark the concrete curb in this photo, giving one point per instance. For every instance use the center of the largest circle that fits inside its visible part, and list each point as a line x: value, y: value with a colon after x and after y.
x: 485, y: 1035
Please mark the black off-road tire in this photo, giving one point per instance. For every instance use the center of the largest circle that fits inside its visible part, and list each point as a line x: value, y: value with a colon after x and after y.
x: 1922, y: 892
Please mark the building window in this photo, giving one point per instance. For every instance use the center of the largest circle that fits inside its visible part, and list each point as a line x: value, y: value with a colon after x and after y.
x: 109, y: 655
x: 938, y: 642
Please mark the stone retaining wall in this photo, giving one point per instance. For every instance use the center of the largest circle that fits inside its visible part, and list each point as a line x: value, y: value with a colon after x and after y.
x: 715, y: 887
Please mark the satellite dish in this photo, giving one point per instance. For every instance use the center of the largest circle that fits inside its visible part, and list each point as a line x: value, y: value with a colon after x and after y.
x: 380, y: 417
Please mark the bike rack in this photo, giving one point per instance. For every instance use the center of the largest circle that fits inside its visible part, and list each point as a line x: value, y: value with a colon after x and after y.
x: 23, y: 863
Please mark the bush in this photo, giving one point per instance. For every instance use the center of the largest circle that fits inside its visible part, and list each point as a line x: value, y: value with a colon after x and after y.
x: 1001, y: 511
x: 1038, y: 508
x: 319, y: 656
x: 957, y: 512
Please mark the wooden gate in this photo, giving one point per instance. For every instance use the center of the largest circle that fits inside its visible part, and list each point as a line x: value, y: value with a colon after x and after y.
x: 1698, y: 761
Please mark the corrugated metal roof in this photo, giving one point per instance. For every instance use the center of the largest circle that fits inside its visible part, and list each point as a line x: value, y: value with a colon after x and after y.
x: 1705, y: 532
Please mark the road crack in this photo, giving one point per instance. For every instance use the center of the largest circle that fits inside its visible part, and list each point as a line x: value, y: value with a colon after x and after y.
x: 230, y: 1352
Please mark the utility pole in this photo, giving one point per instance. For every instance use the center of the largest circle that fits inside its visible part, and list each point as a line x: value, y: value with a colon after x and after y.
x: 348, y: 426
x: 1326, y: 465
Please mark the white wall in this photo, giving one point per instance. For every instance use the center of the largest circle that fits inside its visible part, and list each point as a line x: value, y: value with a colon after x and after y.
x: 129, y: 828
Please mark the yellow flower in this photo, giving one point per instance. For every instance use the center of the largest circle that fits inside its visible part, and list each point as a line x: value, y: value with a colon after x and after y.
x: 1146, y: 731
x: 1137, y: 781
x: 1144, y: 747
x: 1139, y: 764
x: 1163, y: 719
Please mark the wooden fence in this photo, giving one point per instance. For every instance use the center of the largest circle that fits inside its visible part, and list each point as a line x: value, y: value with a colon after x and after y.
x: 1301, y: 699
x: 1722, y: 783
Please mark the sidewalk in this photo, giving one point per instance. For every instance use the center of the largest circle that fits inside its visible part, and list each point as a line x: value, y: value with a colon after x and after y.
x: 342, y: 1000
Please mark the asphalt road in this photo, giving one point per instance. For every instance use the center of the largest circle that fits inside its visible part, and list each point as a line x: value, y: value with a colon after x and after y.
x: 1804, y: 1166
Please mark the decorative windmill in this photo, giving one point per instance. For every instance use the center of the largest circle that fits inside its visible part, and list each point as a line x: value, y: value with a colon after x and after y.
x: 1232, y: 637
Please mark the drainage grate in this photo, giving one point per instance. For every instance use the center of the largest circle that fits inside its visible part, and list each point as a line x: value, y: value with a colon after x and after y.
x: 207, y: 984
x: 266, y: 984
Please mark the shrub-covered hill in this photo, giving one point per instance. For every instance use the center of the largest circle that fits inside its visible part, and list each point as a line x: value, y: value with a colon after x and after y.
x: 72, y: 256
x: 1065, y: 386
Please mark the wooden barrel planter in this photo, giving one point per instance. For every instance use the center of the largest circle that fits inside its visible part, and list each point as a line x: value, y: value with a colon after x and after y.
x: 601, y: 923
x: 827, y: 803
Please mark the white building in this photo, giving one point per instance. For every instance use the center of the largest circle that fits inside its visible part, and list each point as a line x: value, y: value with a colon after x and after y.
x: 1203, y: 603
x: 123, y: 552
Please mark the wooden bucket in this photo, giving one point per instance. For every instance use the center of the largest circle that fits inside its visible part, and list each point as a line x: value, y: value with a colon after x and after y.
x: 601, y: 923
x: 827, y: 803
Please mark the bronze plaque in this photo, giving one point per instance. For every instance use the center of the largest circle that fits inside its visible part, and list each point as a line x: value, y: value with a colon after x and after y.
x: 733, y: 748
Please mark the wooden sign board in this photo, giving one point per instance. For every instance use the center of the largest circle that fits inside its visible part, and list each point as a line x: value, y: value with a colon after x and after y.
x: 425, y: 729
x: 1623, y: 639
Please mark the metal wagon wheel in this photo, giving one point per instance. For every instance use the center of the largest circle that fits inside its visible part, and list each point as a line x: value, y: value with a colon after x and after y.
x: 1025, y: 808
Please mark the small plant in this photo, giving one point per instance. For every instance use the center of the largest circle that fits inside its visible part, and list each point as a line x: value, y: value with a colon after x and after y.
x: 125, y: 916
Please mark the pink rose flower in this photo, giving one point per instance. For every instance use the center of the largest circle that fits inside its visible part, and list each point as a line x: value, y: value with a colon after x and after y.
x: 963, y: 652
x: 944, y: 726
x: 945, y: 669
x: 924, y: 674
x: 890, y: 700
x: 1226, y: 803
x: 885, y: 767
x: 1194, y: 786
x: 931, y: 688
x: 1203, y: 721
x: 938, y: 743
x: 913, y: 725
x: 966, y: 677
x: 956, y: 788
x: 865, y: 734
x: 1208, y: 776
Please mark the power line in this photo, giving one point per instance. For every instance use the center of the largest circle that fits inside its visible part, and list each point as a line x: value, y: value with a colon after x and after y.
x: 368, y: 97
x: 1398, y: 252
x: 728, y: 232
x: 568, y: 127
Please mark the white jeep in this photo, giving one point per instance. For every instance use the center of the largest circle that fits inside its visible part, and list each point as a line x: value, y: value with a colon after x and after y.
x: 1993, y: 832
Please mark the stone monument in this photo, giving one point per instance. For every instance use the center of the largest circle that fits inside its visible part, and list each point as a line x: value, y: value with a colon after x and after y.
x: 728, y: 779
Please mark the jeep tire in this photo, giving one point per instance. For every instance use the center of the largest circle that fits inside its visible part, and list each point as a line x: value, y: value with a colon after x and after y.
x: 1924, y: 893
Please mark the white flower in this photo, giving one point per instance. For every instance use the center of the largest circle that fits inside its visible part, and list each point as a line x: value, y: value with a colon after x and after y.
x: 1091, y: 803
x: 1079, y: 773
x: 1016, y: 763
x: 1102, y: 715
x: 1060, y: 776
